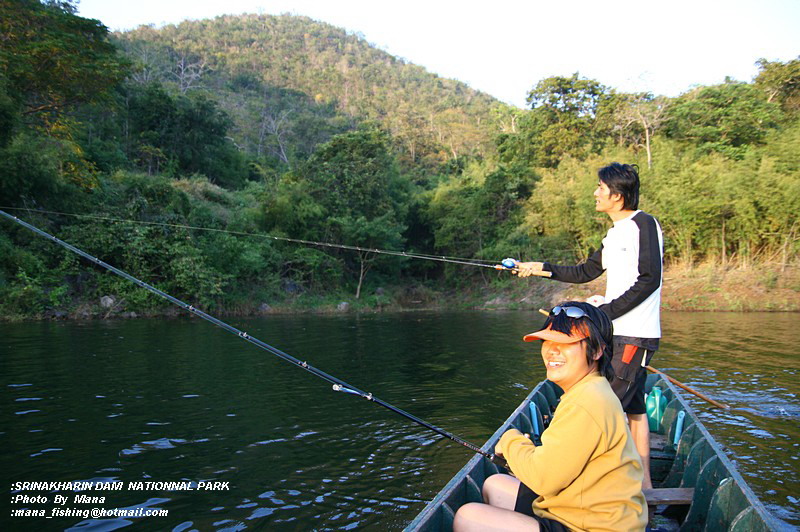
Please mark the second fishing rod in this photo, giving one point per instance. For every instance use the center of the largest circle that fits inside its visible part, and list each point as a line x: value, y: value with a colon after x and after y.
x: 338, y: 384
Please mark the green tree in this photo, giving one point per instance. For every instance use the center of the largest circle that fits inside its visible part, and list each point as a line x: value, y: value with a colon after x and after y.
x: 478, y: 214
x: 53, y: 59
x: 381, y: 232
x: 726, y: 118
x: 781, y: 83
x: 356, y: 173
x: 355, y: 178
x: 180, y: 135
x: 569, y: 108
x: 569, y: 116
x: 560, y: 210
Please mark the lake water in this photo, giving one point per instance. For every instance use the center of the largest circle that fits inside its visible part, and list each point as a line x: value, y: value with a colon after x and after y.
x: 183, y: 401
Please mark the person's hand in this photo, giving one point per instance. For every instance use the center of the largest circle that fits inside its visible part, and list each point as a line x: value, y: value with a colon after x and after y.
x: 596, y: 300
x: 498, y: 450
x: 526, y: 269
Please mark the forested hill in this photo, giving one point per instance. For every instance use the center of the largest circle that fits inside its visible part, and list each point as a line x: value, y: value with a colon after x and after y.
x: 290, y: 82
x: 283, y: 126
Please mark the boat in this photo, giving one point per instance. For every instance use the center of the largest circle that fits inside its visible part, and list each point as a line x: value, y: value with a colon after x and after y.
x: 696, y: 486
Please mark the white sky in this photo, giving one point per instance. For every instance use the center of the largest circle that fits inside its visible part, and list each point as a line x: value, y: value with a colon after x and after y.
x: 504, y: 47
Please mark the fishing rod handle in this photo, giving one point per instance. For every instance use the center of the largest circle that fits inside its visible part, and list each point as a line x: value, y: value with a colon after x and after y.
x: 499, y: 461
x: 512, y: 264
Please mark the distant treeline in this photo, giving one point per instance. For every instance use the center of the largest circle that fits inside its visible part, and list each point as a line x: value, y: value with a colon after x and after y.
x: 291, y: 127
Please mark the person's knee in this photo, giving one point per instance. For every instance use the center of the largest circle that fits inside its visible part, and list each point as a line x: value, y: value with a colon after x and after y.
x: 500, y: 490
x: 467, y: 516
x: 490, y: 486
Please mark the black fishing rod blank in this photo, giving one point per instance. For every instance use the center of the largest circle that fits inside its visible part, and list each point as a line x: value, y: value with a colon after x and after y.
x: 338, y: 385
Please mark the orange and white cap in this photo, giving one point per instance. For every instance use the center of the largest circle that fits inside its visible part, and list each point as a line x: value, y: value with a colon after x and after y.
x: 579, y: 332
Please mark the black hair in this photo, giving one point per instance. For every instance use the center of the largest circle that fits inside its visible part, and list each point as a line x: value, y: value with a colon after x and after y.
x: 601, y: 333
x: 622, y: 179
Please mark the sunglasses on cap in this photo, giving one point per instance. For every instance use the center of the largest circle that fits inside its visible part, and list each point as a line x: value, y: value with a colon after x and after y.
x: 573, y: 312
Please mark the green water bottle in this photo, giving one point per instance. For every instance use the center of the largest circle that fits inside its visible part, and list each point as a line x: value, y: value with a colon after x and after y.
x: 655, y: 403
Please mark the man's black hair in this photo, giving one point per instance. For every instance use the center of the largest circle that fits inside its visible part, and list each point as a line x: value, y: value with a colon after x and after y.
x: 622, y: 179
x: 601, y: 333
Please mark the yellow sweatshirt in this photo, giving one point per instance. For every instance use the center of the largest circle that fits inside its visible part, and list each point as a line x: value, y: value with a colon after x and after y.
x: 587, y: 471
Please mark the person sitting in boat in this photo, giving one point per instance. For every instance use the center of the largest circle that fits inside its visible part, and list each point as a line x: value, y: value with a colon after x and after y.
x: 586, y: 474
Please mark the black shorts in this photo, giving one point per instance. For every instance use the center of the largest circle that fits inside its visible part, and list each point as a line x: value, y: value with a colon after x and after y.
x: 629, y: 373
x: 524, y: 505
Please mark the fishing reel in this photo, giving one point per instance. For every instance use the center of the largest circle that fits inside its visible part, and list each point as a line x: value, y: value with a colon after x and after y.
x: 509, y: 263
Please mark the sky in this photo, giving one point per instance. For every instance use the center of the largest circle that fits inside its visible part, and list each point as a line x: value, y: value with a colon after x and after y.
x: 504, y: 47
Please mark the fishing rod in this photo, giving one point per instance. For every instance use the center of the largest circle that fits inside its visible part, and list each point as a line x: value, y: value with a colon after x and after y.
x: 506, y: 264
x: 338, y: 385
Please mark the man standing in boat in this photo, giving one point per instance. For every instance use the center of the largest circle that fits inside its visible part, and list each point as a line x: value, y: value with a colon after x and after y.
x: 632, y: 254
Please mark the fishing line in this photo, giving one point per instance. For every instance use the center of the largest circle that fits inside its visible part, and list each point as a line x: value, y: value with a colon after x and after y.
x: 481, y: 263
x: 338, y: 385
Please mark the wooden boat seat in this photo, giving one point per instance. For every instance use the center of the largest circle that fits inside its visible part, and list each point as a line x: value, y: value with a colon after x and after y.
x: 670, y: 496
x: 657, y: 441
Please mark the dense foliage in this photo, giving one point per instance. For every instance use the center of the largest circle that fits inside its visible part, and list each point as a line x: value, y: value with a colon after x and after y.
x: 291, y: 128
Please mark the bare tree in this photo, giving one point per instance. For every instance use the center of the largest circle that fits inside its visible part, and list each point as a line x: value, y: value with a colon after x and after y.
x: 458, y: 132
x: 275, y: 125
x: 506, y: 118
x: 188, y: 71
x: 149, y: 64
x: 365, y: 260
x: 639, y: 117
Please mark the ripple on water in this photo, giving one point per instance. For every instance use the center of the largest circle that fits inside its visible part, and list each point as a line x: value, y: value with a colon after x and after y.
x: 247, y: 504
x: 761, y: 434
x: 268, y: 442
x: 236, y: 525
x: 159, y: 444
x: 43, y: 451
x: 261, y: 512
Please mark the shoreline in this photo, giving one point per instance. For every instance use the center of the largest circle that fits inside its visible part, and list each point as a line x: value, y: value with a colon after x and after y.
x: 705, y: 288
